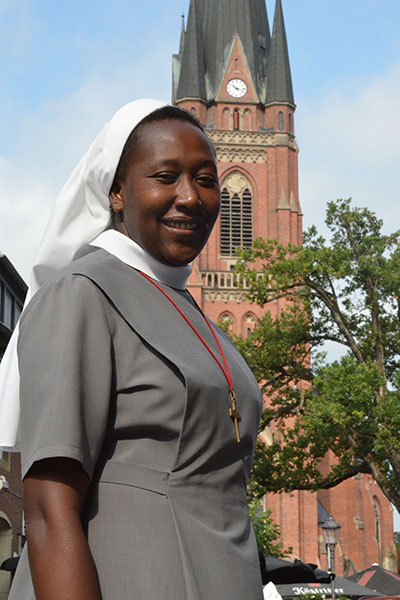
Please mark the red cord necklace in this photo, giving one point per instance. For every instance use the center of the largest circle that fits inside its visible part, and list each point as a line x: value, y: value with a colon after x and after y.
x: 233, y: 411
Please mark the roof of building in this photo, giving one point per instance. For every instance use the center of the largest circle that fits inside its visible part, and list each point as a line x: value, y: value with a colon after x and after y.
x: 192, y: 80
x: 379, y: 579
x: 323, y: 514
x: 10, y: 275
x: 211, y: 29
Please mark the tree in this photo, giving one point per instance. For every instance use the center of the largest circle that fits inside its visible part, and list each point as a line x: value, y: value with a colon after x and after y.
x: 397, y: 544
x: 267, y: 532
x: 344, y: 291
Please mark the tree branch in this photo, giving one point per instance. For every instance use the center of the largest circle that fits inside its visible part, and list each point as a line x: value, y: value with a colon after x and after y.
x: 336, y: 315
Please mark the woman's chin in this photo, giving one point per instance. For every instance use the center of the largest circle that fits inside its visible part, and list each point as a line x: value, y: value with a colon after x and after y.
x: 176, y: 255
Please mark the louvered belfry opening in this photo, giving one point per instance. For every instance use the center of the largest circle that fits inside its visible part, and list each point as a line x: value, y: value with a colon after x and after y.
x: 236, y: 221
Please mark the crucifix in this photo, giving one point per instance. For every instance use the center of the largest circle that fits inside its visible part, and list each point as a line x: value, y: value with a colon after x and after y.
x: 235, y: 415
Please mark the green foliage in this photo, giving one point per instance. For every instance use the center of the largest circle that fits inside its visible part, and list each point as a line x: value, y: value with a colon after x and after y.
x: 345, y: 291
x: 397, y: 544
x: 267, y: 532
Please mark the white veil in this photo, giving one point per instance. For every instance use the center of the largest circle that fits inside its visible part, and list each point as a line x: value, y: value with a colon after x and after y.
x: 81, y: 212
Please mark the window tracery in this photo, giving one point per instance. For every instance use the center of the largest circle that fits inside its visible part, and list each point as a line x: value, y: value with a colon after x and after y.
x: 236, y: 224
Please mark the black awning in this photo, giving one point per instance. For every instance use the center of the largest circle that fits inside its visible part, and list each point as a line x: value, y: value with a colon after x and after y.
x: 10, y: 564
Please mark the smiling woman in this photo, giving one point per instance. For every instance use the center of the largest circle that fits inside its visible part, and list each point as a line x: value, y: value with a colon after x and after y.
x: 168, y: 199
x: 134, y: 466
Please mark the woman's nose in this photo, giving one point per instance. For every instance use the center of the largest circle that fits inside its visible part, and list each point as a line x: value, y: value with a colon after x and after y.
x: 187, y: 192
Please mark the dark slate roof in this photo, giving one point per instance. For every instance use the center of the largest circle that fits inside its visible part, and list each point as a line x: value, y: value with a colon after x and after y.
x: 279, y: 79
x: 12, y: 279
x: 211, y: 29
x: 323, y: 514
x: 192, y: 76
x: 379, y: 579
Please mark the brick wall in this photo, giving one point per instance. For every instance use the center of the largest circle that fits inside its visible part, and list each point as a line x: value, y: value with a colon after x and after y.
x: 11, y: 500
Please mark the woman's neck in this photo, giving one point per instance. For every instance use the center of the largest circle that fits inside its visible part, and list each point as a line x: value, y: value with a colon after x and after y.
x: 129, y: 252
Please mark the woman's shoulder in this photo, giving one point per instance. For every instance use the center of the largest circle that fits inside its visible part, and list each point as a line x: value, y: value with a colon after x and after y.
x: 92, y: 264
x: 72, y: 288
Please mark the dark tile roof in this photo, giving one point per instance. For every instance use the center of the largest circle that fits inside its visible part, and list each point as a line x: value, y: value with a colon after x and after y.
x: 279, y: 79
x: 379, y: 579
x: 323, y: 514
x: 10, y: 276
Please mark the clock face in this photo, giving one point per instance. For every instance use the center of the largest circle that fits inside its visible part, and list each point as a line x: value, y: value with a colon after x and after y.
x: 236, y: 88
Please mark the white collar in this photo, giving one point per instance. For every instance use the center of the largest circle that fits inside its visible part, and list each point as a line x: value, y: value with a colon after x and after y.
x: 132, y: 254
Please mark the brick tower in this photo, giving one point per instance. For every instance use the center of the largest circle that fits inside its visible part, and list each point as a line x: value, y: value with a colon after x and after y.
x: 225, y: 59
x: 235, y: 77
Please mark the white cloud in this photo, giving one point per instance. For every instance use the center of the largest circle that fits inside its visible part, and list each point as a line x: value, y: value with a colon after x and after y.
x: 347, y: 142
x: 23, y: 214
x: 349, y: 148
x: 49, y: 142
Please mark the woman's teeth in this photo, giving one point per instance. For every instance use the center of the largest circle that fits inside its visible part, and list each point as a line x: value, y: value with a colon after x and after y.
x: 181, y: 225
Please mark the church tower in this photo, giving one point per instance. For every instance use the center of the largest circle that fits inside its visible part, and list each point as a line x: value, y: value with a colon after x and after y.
x: 235, y: 77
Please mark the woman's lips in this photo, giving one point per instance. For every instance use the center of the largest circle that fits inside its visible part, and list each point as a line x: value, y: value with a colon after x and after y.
x: 181, y: 225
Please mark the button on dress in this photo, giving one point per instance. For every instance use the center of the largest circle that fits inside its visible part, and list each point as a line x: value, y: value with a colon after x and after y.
x: 112, y: 376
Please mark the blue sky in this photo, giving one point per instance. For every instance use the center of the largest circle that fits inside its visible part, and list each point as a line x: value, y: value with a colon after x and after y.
x: 67, y: 66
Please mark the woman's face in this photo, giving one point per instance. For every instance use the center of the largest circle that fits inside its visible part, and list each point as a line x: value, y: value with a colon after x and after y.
x: 170, y: 196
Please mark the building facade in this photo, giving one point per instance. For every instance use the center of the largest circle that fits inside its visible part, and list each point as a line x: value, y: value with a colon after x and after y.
x: 235, y: 76
x: 12, y: 295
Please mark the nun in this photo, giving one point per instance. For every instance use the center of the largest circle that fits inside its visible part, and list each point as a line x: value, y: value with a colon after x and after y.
x: 135, y: 416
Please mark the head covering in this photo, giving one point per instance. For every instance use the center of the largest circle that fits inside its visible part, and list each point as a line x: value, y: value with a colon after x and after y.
x: 80, y: 214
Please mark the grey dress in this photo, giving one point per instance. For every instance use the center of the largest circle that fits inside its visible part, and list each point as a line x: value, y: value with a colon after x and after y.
x: 112, y: 376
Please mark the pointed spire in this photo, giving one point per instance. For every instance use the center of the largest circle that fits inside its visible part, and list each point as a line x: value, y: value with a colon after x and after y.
x: 214, y: 25
x: 222, y: 20
x: 279, y: 79
x: 182, y: 40
x: 192, y: 75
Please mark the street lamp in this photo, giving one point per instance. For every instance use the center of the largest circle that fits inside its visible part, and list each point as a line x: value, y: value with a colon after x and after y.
x: 331, y: 533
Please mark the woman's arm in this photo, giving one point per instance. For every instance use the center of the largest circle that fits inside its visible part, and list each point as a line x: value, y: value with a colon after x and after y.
x: 60, y: 560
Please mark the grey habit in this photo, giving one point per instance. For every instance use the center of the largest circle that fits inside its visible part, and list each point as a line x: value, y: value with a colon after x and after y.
x: 112, y: 376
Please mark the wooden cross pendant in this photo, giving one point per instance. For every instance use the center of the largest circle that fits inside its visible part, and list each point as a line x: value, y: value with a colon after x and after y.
x: 235, y: 415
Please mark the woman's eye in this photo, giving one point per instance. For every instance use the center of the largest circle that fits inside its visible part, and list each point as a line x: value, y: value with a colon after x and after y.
x: 166, y: 177
x: 207, y: 180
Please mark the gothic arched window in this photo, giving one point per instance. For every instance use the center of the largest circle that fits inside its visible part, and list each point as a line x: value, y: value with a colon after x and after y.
x: 236, y: 225
x: 248, y: 324
x: 236, y: 119
x: 280, y: 121
x: 377, y: 519
x: 247, y: 120
x: 227, y: 321
x: 225, y: 119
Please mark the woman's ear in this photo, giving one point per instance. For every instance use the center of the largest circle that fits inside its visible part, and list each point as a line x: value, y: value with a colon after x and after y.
x: 116, y: 197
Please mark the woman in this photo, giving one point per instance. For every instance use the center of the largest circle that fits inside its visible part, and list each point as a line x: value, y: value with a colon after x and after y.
x: 134, y: 462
